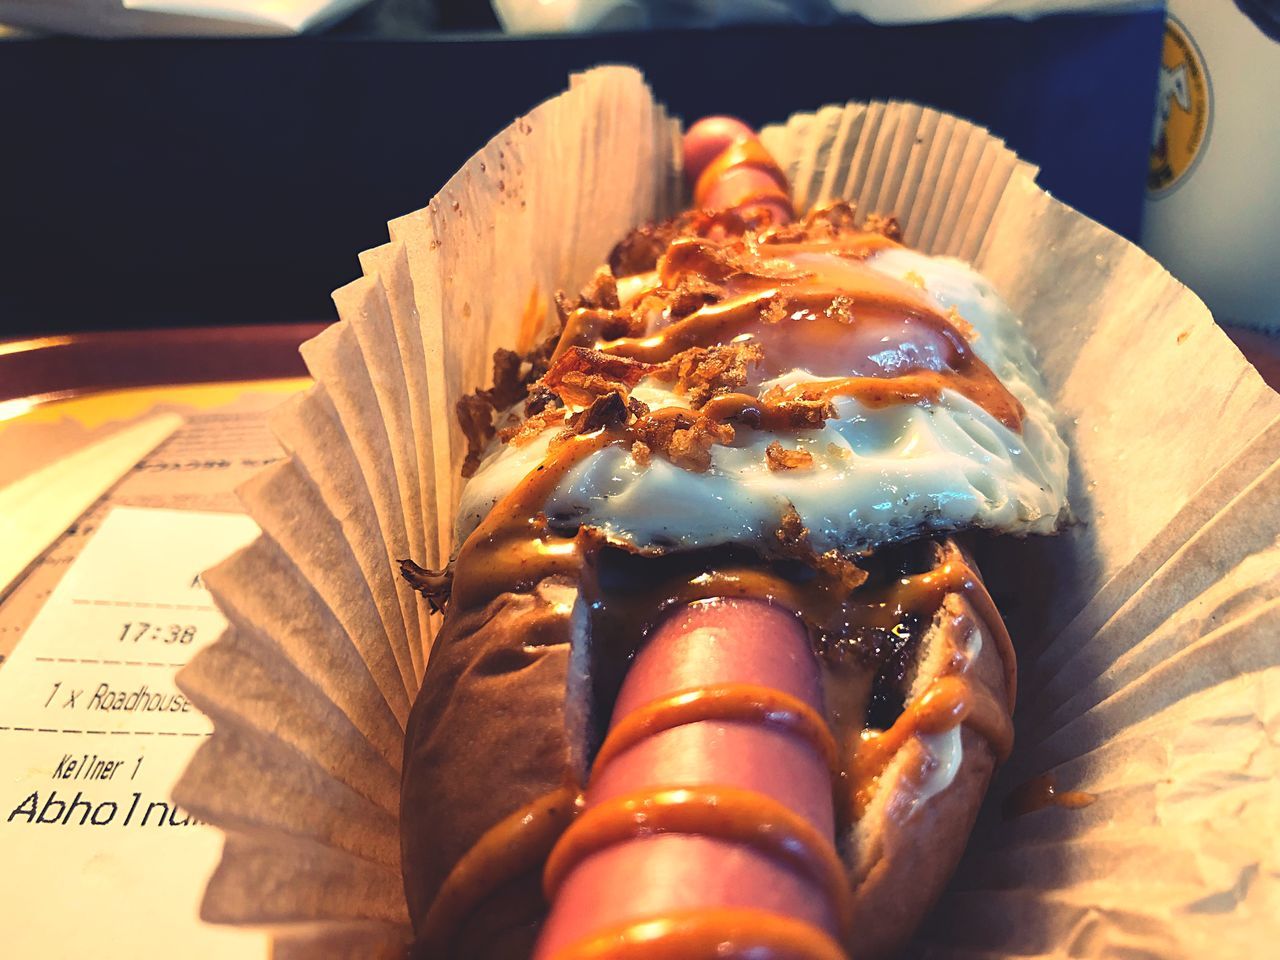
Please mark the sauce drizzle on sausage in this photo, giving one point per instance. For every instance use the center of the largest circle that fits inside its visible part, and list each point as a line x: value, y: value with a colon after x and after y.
x: 726, y: 934
x: 729, y: 702
x: 719, y: 811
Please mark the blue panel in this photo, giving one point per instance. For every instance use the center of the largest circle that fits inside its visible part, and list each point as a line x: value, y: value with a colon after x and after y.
x: 198, y: 182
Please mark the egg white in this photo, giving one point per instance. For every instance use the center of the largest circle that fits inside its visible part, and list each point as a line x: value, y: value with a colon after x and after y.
x: 879, y: 474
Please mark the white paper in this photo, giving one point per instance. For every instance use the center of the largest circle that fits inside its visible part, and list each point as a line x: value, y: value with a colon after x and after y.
x: 93, y: 733
x: 583, y: 16
x: 141, y: 18
x: 220, y: 445
x: 293, y: 15
x: 925, y: 11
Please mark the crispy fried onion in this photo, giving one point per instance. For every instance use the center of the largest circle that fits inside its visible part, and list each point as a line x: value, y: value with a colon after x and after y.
x: 435, y: 585
x: 475, y: 416
x: 521, y: 432
x: 779, y: 458
x: 682, y: 436
x: 709, y: 378
x: 512, y: 377
x: 808, y: 410
x: 830, y: 222
x: 639, y: 250
x: 718, y: 262
x: 792, y: 542
x: 596, y: 314
x: 612, y: 409
x: 701, y: 373
x: 580, y: 374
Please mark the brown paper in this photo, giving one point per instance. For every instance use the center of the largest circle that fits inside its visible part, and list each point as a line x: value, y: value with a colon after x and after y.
x: 280, y: 879
x: 335, y: 361
x: 1215, y: 495
x: 264, y: 596
x: 364, y: 306
x: 1150, y: 676
x: 291, y: 512
x: 1212, y: 569
x: 332, y: 942
x: 248, y: 780
x: 390, y: 265
x: 248, y: 683
x: 1108, y: 319
x: 308, y: 427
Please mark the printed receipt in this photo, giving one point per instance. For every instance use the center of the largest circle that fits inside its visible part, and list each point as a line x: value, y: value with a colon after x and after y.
x: 94, y: 734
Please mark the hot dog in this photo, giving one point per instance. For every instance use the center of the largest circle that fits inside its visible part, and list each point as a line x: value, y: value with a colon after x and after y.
x: 714, y: 675
x: 730, y: 171
x: 714, y: 660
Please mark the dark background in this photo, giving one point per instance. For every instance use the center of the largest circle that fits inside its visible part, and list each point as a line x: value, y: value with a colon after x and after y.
x: 184, y: 182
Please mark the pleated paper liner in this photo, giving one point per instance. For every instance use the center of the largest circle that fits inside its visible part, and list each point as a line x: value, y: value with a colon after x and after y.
x: 1148, y: 677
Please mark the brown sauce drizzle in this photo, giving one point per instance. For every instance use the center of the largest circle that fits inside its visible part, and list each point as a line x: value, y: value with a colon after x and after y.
x: 725, y: 702
x: 949, y: 702
x: 738, y: 406
x: 857, y: 245
x: 712, y: 934
x: 509, y: 848
x: 512, y: 550
x: 926, y: 386
x: 830, y: 321
x: 1040, y: 793
x: 797, y: 326
x: 719, y: 811
x: 830, y: 612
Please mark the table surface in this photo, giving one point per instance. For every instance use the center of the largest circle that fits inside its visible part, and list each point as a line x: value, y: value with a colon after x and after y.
x: 38, y: 370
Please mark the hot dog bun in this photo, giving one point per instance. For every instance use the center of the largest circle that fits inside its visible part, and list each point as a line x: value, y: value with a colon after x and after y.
x: 903, y: 850
x: 493, y: 731
x: 503, y: 722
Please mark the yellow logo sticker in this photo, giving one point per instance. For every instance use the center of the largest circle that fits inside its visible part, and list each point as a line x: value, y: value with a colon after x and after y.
x: 1183, y: 106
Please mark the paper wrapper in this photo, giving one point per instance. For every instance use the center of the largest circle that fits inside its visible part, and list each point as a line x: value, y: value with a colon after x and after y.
x: 1150, y: 672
